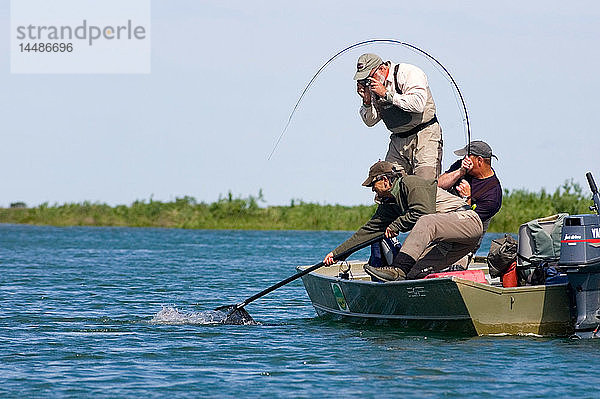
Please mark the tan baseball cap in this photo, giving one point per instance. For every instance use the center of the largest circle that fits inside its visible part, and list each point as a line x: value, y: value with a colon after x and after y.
x: 366, y: 63
x: 379, y: 168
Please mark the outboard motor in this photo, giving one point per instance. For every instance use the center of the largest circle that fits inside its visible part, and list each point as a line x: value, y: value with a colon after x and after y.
x: 580, y: 258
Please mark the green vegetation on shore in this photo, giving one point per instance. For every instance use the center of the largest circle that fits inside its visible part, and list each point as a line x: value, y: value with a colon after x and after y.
x: 519, y: 206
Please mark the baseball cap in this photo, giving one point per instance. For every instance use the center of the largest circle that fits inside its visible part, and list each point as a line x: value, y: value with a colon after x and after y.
x: 478, y: 148
x: 379, y: 168
x: 366, y: 63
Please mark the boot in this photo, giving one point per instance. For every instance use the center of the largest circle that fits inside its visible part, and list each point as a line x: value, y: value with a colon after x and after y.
x: 403, y: 261
x: 386, y: 273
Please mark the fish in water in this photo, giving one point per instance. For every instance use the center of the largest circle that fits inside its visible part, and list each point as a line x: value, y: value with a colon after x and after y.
x: 171, y: 315
x: 235, y: 315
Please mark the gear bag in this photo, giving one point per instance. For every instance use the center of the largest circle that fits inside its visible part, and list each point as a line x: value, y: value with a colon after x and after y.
x: 539, y: 249
x: 383, y: 252
x: 503, y: 252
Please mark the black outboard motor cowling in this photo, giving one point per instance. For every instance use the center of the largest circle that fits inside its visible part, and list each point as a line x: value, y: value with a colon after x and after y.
x: 580, y: 258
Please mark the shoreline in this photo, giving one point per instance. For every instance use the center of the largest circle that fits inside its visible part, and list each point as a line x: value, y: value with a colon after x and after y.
x: 518, y: 207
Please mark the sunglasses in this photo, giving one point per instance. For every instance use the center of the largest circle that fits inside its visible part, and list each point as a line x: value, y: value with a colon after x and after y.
x: 375, y: 180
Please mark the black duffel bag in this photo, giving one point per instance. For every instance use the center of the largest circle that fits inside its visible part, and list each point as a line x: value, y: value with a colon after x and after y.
x: 503, y: 252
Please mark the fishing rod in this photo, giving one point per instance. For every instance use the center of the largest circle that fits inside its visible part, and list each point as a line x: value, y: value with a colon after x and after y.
x: 366, y: 43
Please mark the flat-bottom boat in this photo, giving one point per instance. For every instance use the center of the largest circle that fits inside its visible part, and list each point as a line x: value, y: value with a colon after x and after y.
x: 451, y: 303
x: 482, y: 307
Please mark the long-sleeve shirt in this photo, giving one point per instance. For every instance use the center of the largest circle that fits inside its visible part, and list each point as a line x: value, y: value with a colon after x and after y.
x: 415, y: 96
x: 413, y: 197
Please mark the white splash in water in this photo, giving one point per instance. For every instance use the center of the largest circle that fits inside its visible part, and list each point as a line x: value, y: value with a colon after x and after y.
x: 171, y: 315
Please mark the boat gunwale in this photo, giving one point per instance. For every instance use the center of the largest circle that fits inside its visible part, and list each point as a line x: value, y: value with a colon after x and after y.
x: 455, y: 279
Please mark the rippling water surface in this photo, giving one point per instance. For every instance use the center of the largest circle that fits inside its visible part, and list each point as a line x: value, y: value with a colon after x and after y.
x: 115, y: 312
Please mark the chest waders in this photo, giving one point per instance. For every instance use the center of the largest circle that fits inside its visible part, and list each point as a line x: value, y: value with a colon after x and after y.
x: 394, y: 117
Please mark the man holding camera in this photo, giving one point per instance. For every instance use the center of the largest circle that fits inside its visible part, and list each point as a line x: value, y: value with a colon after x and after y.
x: 399, y: 95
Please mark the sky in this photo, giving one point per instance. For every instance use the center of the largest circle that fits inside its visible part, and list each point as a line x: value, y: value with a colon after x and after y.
x: 225, y: 76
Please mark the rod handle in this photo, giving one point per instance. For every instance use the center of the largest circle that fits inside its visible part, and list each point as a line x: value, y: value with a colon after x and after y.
x: 591, y: 182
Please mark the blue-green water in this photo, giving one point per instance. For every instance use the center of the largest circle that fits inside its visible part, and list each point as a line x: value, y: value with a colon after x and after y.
x: 91, y: 312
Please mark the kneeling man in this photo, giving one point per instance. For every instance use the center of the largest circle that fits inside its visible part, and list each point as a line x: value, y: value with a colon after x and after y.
x: 443, y: 228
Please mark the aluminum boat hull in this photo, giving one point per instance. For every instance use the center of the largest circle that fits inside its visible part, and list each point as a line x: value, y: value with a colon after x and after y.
x: 441, y: 304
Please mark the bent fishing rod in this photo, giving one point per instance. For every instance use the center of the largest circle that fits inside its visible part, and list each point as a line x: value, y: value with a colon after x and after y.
x: 366, y: 43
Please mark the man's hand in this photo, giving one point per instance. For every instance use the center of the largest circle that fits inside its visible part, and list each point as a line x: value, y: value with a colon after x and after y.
x: 328, y: 260
x: 466, y: 165
x: 464, y: 189
x: 377, y: 87
x: 389, y: 233
x: 365, y: 93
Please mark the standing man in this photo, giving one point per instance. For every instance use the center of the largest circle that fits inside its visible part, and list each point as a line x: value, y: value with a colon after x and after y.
x: 399, y: 95
x: 474, y: 179
x: 443, y: 228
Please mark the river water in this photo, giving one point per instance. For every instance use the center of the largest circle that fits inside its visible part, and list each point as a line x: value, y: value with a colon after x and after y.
x: 124, y: 312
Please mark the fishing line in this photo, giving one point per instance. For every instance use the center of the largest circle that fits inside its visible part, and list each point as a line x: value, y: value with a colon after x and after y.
x: 366, y: 43
x: 454, y: 94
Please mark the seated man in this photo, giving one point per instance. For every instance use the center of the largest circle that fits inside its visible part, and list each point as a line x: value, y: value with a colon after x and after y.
x: 474, y: 179
x: 443, y: 227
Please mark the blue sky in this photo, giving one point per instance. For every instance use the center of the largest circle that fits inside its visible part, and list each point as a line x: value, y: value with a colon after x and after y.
x: 226, y: 74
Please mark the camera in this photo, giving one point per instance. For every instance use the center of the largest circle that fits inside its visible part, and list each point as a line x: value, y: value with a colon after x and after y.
x: 365, y: 82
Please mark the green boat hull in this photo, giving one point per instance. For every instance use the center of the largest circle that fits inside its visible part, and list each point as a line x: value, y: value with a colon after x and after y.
x: 441, y: 304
